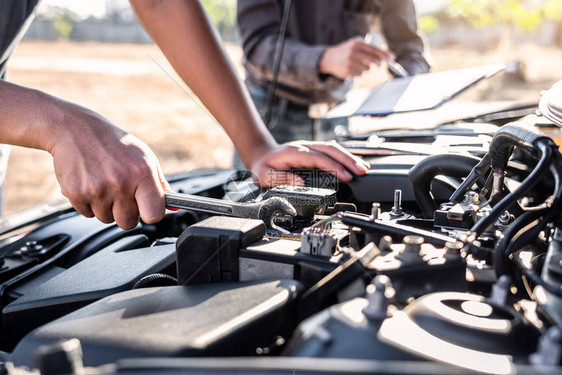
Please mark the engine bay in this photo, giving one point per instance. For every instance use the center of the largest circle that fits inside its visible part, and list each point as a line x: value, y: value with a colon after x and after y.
x: 446, y: 257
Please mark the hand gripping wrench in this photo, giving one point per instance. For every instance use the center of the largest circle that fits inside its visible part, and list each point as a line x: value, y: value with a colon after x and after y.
x: 264, y: 210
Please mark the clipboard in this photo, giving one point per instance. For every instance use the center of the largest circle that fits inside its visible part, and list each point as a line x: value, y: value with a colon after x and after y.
x: 414, y: 93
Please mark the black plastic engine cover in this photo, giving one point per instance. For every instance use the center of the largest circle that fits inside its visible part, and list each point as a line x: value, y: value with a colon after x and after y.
x: 343, y: 331
x: 224, y: 319
x: 464, y: 330
x: 105, y: 273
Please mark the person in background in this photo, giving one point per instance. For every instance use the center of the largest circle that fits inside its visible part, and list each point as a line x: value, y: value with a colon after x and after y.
x: 325, y: 48
x: 110, y: 174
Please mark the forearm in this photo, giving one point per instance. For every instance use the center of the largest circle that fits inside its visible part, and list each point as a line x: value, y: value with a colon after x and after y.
x: 103, y: 170
x: 183, y: 32
x: 26, y: 116
x: 31, y: 118
x: 299, y: 66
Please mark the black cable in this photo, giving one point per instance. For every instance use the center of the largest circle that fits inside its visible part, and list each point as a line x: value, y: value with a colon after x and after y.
x: 277, y: 60
x: 503, y: 249
x: 536, y: 279
x: 546, y: 311
x: 556, y: 170
x: 542, y: 167
x: 478, y: 171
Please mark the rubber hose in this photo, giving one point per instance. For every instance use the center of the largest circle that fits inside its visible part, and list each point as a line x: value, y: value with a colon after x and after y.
x: 155, y: 280
x: 423, y: 173
x: 503, y: 249
x: 535, y: 278
x: 478, y: 171
x: 546, y: 148
x: 509, y: 136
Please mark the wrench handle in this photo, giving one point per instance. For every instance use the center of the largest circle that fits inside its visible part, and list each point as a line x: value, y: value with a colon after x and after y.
x: 197, y: 203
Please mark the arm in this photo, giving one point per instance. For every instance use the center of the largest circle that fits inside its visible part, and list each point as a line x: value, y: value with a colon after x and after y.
x: 183, y: 32
x: 400, y: 28
x: 259, y: 22
x: 303, y: 66
x: 102, y: 170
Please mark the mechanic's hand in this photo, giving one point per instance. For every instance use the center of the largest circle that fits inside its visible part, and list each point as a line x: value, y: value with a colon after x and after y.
x: 106, y: 172
x: 273, y: 167
x: 351, y: 58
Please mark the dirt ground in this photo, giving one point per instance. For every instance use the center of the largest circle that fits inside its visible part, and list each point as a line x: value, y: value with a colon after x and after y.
x: 127, y: 84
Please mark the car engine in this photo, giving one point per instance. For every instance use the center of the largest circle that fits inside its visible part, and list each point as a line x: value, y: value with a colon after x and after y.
x: 445, y: 258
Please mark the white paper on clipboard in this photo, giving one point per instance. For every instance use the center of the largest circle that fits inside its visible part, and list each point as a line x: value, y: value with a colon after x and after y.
x: 415, y: 93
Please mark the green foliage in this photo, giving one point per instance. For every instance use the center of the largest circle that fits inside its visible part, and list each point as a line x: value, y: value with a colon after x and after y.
x: 553, y: 10
x: 222, y: 12
x: 223, y: 15
x: 63, y: 24
x: 523, y: 15
x: 428, y: 24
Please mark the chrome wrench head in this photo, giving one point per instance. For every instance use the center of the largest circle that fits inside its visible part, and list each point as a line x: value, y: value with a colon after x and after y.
x: 265, y: 210
x: 272, y: 207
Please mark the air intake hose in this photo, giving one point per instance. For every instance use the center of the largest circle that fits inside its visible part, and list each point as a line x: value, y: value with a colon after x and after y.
x: 510, y: 135
x: 423, y: 174
x: 516, y: 134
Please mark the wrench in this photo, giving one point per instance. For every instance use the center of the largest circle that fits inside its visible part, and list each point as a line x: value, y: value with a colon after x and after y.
x: 264, y: 210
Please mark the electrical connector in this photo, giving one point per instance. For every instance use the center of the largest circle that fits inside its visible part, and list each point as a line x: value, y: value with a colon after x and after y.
x: 317, y: 241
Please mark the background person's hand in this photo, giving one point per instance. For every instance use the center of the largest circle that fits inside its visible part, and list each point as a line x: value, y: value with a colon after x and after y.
x: 106, y: 172
x: 273, y: 168
x: 351, y: 58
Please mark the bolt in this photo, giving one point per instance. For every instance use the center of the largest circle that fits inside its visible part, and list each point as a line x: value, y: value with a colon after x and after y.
x: 31, y: 247
x: 413, y: 244
x: 505, y: 218
x: 397, y: 208
x: 472, y: 197
x: 377, y: 296
x: 375, y: 211
x: 285, y: 221
x: 453, y: 248
x: 385, y: 243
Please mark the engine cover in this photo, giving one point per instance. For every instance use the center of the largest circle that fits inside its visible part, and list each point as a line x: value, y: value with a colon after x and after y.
x: 231, y: 319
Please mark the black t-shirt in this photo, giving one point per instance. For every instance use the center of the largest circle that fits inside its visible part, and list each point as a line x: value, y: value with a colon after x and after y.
x: 15, y: 18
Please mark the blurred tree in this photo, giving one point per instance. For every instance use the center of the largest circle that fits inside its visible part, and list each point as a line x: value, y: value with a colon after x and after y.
x: 428, y: 23
x: 223, y: 15
x: 63, y: 23
x: 513, y: 16
x: 553, y: 10
x: 521, y: 15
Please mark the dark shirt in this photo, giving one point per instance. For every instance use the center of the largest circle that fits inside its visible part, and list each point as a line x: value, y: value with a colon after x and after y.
x: 313, y: 26
x: 15, y: 18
